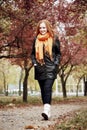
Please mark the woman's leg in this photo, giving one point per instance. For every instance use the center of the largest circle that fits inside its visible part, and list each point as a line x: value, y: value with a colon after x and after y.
x: 41, y: 83
x: 46, y: 90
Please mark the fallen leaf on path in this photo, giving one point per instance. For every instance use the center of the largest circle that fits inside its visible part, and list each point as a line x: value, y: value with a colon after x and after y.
x: 31, y: 127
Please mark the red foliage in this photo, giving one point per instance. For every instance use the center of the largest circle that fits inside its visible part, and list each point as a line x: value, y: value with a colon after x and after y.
x: 23, y: 23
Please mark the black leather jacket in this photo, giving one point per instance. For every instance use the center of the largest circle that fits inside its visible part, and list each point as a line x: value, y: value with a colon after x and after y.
x: 50, y: 68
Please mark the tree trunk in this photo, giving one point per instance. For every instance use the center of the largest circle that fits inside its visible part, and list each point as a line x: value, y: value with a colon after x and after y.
x: 64, y: 76
x: 20, y: 82
x: 63, y: 87
x: 25, y: 85
x: 85, y: 88
x: 85, y: 85
x: 6, y: 94
x: 77, y: 90
x: 4, y: 82
x: 78, y: 86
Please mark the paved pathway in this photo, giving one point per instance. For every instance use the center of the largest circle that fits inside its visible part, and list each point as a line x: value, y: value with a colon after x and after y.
x: 17, y: 118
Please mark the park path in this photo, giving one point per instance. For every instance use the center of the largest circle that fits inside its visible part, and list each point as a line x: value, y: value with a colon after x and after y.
x: 18, y: 118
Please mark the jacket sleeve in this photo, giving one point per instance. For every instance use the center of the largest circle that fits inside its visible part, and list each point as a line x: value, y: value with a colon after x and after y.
x: 33, y: 53
x: 57, y: 51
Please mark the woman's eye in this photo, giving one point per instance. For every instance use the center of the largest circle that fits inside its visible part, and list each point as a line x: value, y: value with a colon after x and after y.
x: 42, y: 28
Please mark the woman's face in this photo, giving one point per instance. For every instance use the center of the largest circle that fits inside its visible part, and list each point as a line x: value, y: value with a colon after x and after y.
x: 42, y: 28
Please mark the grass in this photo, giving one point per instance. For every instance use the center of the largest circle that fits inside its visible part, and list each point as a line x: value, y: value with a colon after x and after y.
x: 36, y: 100
x: 78, y: 122
x: 4, y: 100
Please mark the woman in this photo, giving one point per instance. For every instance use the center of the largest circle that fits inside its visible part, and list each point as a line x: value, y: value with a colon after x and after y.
x: 45, y: 58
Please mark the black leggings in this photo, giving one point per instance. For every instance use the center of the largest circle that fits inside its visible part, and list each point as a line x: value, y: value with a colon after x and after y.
x: 46, y: 90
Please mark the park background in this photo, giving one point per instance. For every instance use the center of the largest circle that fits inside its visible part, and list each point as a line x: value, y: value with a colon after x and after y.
x: 18, y: 20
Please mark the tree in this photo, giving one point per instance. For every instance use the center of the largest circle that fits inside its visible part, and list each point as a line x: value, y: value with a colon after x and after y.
x: 79, y: 73
x: 23, y: 16
x: 72, y: 52
x: 18, y: 42
x: 85, y: 85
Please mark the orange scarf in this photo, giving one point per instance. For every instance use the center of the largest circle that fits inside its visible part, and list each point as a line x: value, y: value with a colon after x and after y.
x: 43, y: 46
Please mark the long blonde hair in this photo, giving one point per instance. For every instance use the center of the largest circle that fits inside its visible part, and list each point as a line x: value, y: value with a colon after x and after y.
x: 48, y: 25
